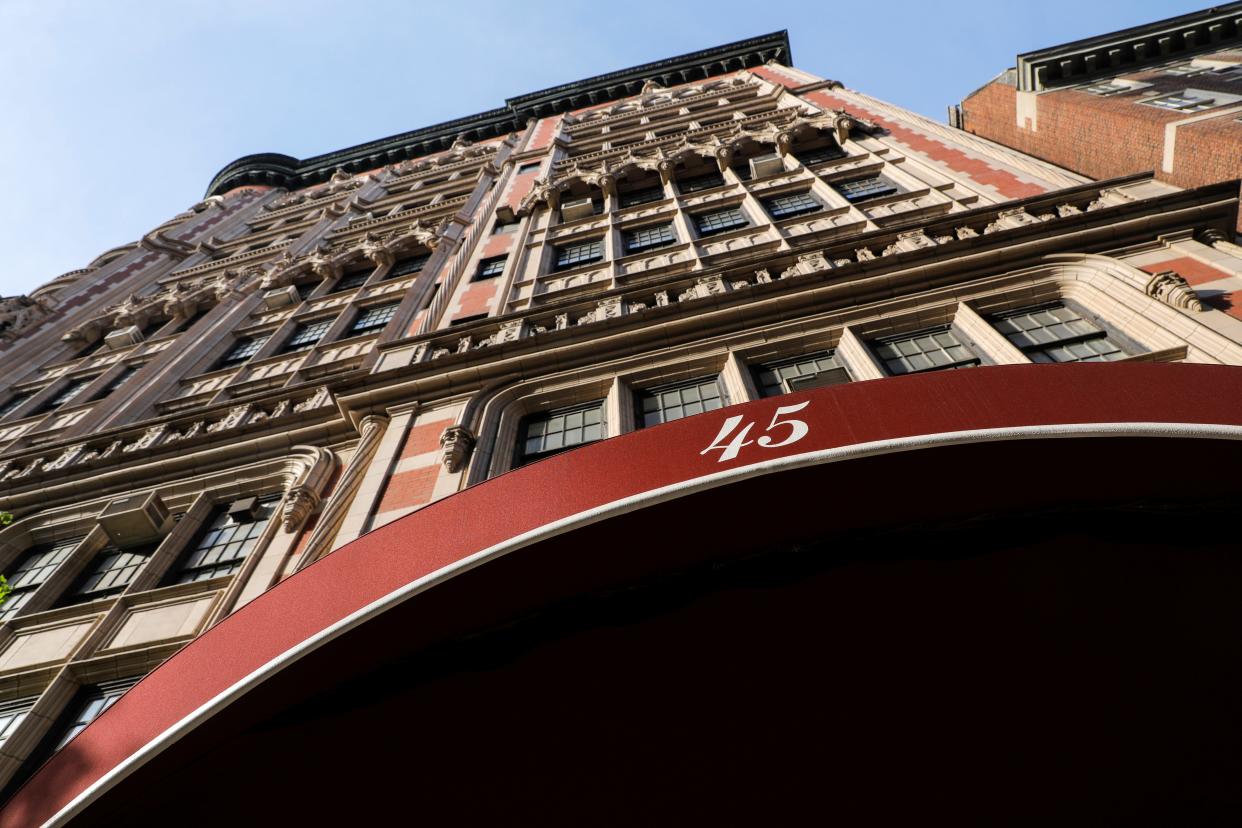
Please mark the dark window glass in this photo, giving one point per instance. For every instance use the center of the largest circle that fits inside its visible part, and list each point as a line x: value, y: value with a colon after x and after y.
x: 719, y: 221
x: 466, y: 320
x: 799, y: 373
x: 15, y: 402
x: 672, y: 402
x: 793, y: 204
x: 573, y: 255
x: 1056, y: 333
x: 350, y: 281
x: 243, y: 350
x: 305, y: 289
x: 120, y: 379
x: 408, y: 265
x: 33, y: 568
x: 305, y: 336
x: 742, y: 170
x: 645, y: 196
x: 647, y: 238
x: 89, y: 706
x: 66, y: 394
x: 819, y: 155
x: 491, y: 268
x: 530, y: 167
x: 112, y: 570
x: 700, y: 182
x: 934, y: 349
x: 551, y: 432
x: 12, y: 714
x: 224, y: 543
x: 862, y: 189
x: 91, y: 347
x: 502, y: 226
x: 372, y: 319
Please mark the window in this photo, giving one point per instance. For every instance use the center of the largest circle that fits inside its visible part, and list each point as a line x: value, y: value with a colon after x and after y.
x: 799, y: 373
x: 742, y: 170
x: 933, y: 349
x: 15, y: 402
x: 1186, y: 101
x: 120, y: 379
x: 1056, y: 333
x: 466, y: 320
x: 349, y: 281
x: 1106, y: 88
x: 225, y: 541
x: 89, y: 706
x: 243, y: 350
x: 818, y: 155
x: 573, y: 255
x: 672, y: 402
x: 112, y: 570
x: 863, y: 189
x: 66, y: 394
x: 33, y: 568
x: 648, y: 238
x: 636, y: 197
x: 700, y: 182
x: 372, y: 319
x: 793, y: 204
x: 719, y: 221
x: 91, y: 347
x: 305, y: 336
x: 408, y: 265
x: 502, y: 226
x: 551, y: 432
x: 305, y: 289
x: 12, y: 714
x: 530, y: 167
x: 490, y: 268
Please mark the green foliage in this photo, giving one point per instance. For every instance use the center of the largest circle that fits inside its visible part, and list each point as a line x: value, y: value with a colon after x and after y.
x: 5, y: 589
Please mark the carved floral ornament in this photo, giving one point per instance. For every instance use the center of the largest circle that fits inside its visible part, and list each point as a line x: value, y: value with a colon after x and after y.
x: 662, y: 159
x: 654, y: 93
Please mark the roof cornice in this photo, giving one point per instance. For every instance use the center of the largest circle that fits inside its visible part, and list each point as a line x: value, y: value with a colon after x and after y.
x: 276, y: 170
x: 1130, y: 49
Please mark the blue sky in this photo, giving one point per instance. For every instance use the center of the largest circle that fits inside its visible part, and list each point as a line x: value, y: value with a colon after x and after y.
x: 117, y: 114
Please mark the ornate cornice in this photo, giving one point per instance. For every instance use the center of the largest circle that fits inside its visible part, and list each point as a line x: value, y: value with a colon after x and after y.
x: 274, y: 169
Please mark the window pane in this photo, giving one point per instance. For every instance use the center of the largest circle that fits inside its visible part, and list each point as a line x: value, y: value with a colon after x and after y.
x: 306, y: 335
x: 662, y: 405
x: 700, y: 182
x: 372, y: 319
x: 112, y: 570
x: 224, y: 543
x: 244, y: 350
x: 819, y: 155
x: 649, y: 237
x: 32, y: 570
x: 794, y: 204
x: 720, y: 221
x: 579, y: 254
x: 491, y: 268
x: 553, y: 431
x: 862, y: 189
x: 929, y: 350
x: 635, y: 197
x: 1057, y: 333
x: 408, y: 265
x: 783, y: 376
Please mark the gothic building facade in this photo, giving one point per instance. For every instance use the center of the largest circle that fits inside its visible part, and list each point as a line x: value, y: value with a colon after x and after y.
x: 315, y: 452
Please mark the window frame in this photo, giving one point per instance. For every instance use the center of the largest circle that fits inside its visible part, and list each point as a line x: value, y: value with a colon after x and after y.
x: 492, y: 267
x: 654, y: 392
x: 560, y: 261
x: 757, y: 369
x: 814, y: 206
x: 521, y: 457
x: 667, y: 237
x: 893, y: 188
x: 873, y: 345
x: 1100, y: 333
x: 290, y: 346
x: 723, y: 228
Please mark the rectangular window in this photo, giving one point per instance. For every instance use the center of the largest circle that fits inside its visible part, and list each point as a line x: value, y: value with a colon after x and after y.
x: 799, y: 373
x: 863, y: 189
x: 719, y: 221
x: 793, y: 204
x: 350, y: 281
x: 243, y: 350
x: 502, y: 226
x: 12, y: 714
x: 742, y: 170
x: 466, y: 320
x: 89, y: 706
x: 636, y: 197
x: 15, y: 402
x: 1106, y: 88
x: 120, y: 379
x: 672, y: 402
x: 933, y: 349
x: 573, y: 255
x: 490, y: 268
x: 1056, y: 333
x: 66, y: 394
x: 372, y: 319
x: 408, y: 265
x: 700, y: 182
x: 551, y: 432
x: 112, y: 570
x: 529, y: 167
x: 224, y: 543
x: 818, y: 155
x: 1183, y: 102
x: 33, y: 568
x: 648, y: 238
x: 305, y: 336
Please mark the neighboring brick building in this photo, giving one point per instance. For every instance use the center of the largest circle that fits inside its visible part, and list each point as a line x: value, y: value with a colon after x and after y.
x: 366, y: 490
x: 1163, y: 97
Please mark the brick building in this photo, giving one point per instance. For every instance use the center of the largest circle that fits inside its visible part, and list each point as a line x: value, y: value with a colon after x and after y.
x: 377, y: 470
x: 1163, y: 97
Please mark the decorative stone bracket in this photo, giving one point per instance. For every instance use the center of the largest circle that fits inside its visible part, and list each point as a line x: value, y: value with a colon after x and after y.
x: 1173, y: 290
x: 455, y: 444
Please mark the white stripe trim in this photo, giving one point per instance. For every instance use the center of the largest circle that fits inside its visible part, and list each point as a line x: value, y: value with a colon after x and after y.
x: 612, y: 509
